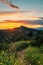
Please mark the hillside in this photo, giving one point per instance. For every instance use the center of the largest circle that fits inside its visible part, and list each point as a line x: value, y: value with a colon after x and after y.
x: 17, y: 34
x: 40, y: 28
x: 21, y: 46
x: 21, y: 53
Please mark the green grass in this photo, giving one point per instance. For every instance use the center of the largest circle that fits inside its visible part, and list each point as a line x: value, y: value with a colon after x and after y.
x: 7, y: 58
x: 29, y: 55
x: 19, y: 46
x: 33, y: 56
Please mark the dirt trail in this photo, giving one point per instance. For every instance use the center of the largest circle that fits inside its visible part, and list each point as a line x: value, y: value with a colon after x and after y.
x: 21, y: 59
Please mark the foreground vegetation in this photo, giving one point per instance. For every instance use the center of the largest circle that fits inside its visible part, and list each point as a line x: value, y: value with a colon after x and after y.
x: 23, y: 52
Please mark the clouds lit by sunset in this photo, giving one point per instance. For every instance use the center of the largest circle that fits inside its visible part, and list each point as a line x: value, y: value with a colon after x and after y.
x: 30, y: 13
x: 17, y: 19
x: 18, y: 16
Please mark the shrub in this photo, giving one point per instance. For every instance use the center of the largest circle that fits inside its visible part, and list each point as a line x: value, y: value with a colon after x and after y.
x: 4, y: 46
x: 18, y: 46
x: 33, y: 56
x: 7, y: 58
x: 41, y: 49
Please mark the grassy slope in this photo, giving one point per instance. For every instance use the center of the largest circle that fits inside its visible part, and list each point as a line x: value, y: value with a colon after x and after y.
x: 22, y: 53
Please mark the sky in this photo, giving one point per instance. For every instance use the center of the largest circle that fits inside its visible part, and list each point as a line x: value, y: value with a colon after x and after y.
x: 28, y: 10
x: 24, y: 5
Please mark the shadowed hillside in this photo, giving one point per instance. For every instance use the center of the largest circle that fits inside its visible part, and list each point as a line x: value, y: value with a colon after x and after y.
x: 21, y: 46
x: 17, y: 34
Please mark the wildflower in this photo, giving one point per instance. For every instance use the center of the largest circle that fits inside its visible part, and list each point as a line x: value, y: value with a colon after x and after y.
x: 32, y: 55
x: 3, y: 52
x: 38, y: 62
x: 29, y: 64
x: 0, y: 62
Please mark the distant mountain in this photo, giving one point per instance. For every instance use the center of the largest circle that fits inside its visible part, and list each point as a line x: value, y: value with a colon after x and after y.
x: 41, y: 28
x: 17, y: 34
x: 41, y: 18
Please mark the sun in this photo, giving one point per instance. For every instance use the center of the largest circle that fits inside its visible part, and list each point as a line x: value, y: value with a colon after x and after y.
x: 11, y: 27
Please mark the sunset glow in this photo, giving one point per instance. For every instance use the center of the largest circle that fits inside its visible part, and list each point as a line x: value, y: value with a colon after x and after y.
x: 12, y: 20
x: 18, y: 16
x: 16, y: 25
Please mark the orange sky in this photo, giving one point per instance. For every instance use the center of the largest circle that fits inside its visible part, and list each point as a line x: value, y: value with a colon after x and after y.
x: 16, y: 16
x: 15, y: 25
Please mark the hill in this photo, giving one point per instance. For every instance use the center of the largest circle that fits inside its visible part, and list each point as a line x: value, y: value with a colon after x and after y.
x: 40, y: 28
x: 17, y: 34
x: 21, y: 46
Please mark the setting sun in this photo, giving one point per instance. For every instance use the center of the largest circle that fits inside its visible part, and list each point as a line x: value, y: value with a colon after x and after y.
x: 11, y: 25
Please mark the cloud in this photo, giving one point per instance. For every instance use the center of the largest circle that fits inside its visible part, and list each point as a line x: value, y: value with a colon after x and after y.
x: 11, y: 5
x: 22, y: 17
x: 35, y: 22
x: 41, y: 18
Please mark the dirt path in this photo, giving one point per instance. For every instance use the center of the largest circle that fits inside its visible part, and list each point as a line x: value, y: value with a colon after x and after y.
x: 21, y: 59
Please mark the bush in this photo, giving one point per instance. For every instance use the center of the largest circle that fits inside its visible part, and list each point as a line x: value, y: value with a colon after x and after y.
x: 7, y: 58
x: 4, y: 46
x: 33, y: 56
x: 18, y: 46
x: 41, y: 49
